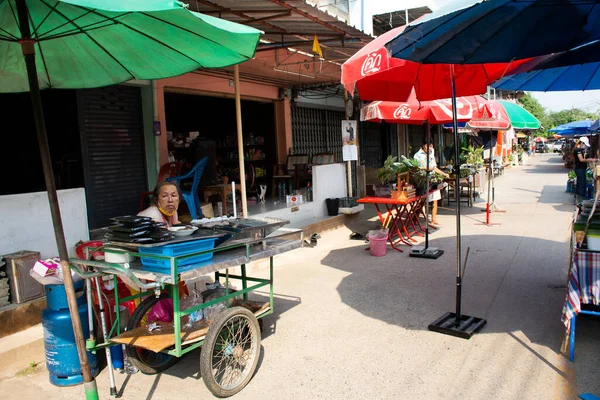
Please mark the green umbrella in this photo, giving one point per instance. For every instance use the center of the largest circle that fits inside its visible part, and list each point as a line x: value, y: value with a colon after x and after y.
x: 91, y: 43
x: 519, y: 117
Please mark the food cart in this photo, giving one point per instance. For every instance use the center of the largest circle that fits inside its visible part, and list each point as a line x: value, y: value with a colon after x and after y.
x: 230, y: 338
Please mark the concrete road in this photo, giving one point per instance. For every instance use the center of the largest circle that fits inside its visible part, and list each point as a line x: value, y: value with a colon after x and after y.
x: 351, y: 326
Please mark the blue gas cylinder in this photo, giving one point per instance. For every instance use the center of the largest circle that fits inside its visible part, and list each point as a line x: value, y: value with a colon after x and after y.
x: 62, y: 359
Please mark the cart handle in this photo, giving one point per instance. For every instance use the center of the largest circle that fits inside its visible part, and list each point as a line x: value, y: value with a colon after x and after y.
x: 110, y: 268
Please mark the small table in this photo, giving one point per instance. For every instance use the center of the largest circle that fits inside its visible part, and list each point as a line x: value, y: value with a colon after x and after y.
x: 223, y: 190
x: 402, y: 218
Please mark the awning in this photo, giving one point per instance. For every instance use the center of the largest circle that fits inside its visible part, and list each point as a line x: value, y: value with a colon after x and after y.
x: 572, y: 128
x: 519, y: 117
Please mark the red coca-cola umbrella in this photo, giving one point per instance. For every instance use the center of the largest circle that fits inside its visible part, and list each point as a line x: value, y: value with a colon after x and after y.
x: 378, y: 76
x: 475, y: 110
x: 492, y: 116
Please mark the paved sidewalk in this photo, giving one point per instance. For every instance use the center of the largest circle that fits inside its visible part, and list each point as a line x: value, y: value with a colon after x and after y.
x: 352, y: 326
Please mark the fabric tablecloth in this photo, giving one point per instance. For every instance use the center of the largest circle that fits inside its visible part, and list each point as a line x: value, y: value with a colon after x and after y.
x: 583, y: 286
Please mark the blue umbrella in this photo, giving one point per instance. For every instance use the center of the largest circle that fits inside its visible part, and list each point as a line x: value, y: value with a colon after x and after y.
x: 572, y: 128
x: 595, y: 127
x: 569, y: 70
x: 487, y: 31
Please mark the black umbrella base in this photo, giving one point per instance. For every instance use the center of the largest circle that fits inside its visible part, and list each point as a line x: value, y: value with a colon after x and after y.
x: 467, y: 327
x: 422, y: 252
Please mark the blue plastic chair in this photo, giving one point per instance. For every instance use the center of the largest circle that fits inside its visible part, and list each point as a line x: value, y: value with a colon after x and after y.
x: 191, y: 196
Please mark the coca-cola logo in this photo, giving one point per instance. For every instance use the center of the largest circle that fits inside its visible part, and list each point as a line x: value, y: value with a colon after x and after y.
x: 372, y: 64
x: 371, y: 111
x: 464, y: 109
x: 403, y: 112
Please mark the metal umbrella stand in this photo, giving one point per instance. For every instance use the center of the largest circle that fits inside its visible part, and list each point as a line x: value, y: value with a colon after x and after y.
x: 418, y: 251
x: 455, y: 323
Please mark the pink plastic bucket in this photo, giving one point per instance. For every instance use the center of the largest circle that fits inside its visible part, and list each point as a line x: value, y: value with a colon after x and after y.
x: 378, y: 246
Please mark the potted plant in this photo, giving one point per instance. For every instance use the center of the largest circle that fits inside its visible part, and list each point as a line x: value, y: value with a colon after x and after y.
x: 473, y: 156
x: 419, y: 179
x: 520, y: 155
x: 388, y: 174
x: 571, y: 181
x: 513, y: 160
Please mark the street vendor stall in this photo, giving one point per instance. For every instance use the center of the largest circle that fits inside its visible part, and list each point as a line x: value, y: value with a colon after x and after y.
x: 166, y: 325
x: 583, y: 288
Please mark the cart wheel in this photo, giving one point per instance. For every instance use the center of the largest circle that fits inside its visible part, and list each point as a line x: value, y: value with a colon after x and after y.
x: 148, y: 362
x: 230, y: 352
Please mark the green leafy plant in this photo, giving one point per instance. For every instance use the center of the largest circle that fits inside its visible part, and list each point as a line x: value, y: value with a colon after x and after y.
x: 465, y: 171
x: 419, y: 178
x: 473, y: 155
x: 392, y: 167
x: 388, y: 173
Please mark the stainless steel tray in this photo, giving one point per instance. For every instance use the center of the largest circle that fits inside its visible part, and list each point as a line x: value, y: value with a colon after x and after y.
x: 248, y: 229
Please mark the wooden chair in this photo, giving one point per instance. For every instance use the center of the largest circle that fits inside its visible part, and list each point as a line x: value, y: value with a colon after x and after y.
x: 291, y: 170
x: 168, y: 170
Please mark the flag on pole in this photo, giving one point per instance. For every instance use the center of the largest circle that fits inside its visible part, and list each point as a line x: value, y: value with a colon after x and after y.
x: 316, y: 48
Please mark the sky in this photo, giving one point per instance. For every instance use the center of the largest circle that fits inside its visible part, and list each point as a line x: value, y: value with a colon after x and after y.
x: 557, y: 101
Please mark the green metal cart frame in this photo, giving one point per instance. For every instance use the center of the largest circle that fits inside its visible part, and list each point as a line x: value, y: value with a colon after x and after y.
x: 224, y: 258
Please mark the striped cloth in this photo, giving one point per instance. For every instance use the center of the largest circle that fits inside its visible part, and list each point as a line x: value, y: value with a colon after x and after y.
x: 584, y: 285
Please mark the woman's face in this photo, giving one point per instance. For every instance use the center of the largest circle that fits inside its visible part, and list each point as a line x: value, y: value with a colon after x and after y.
x: 168, y: 198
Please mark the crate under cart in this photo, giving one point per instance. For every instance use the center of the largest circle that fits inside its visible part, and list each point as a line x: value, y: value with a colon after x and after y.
x: 230, y: 339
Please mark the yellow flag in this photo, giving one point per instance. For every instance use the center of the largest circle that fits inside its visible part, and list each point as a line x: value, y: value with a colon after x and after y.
x: 317, y: 47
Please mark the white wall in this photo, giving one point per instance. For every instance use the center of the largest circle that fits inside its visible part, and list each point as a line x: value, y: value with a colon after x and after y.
x: 329, y: 181
x: 26, y: 224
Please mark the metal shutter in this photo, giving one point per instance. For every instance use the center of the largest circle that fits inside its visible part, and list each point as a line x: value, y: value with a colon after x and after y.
x: 112, y: 141
x: 317, y: 131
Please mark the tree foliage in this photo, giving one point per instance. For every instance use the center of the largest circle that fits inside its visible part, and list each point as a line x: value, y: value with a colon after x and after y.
x: 551, y: 119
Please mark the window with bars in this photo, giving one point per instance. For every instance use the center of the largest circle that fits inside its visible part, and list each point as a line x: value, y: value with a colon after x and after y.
x: 316, y: 131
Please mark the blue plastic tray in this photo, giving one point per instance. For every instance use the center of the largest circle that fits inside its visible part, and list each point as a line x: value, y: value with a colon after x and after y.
x: 175, y: 250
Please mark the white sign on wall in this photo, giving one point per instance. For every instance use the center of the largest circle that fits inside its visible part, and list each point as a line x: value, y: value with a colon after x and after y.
x: 349, y: 140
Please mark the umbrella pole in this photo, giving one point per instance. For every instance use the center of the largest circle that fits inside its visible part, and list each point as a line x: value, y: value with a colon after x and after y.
x: 27, y: 45
x: 456, y: 324
x: 490, y: 190
x: 240, y: 138
x: 426, y: 252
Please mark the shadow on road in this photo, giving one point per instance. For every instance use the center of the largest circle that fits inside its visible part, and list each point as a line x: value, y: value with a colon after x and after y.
x: 415, y: 292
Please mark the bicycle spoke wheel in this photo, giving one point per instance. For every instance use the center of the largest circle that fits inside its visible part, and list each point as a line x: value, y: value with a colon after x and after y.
x: 230, y: 353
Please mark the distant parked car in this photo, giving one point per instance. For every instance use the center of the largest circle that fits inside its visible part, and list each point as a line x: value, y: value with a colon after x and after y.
x: 557, y: 146
x: 540, y: 147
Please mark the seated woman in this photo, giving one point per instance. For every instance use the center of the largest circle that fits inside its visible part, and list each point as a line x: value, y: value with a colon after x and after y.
x: 166, y: 197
